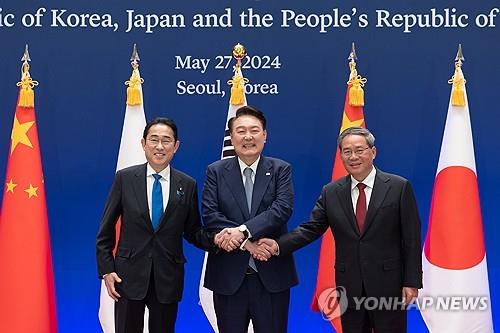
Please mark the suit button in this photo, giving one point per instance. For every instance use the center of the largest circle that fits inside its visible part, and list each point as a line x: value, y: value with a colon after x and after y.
x: 364, y: 267
x: 150, y: 255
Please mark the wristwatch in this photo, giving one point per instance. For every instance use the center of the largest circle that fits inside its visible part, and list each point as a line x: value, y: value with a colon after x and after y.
x: 243, y: 228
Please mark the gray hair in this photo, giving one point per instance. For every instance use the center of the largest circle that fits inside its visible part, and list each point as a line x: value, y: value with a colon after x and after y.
x: 370, y: 139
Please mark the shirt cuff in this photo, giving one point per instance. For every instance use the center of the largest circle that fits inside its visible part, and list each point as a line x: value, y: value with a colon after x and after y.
x: 242, y: 246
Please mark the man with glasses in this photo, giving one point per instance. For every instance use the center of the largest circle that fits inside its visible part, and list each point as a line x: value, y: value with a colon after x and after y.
x: 158, y: 206
x: 374, y: 219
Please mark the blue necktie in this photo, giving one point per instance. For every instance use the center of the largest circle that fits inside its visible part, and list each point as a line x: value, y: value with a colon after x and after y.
x: 156, y: 202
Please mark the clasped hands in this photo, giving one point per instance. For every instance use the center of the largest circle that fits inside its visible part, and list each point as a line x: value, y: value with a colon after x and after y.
x: 230, y: 239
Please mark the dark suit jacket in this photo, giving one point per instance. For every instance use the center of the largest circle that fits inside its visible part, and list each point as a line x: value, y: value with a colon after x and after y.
x: 224, y: 205
x: 140, y: 246
x: 387, y: 255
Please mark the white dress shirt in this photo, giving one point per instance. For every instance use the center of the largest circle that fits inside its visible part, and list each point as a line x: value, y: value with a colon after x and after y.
x: 368, y: 181
x: 164, y: 182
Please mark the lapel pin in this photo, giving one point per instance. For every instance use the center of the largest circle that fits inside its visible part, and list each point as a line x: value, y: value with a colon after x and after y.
x: 268, y: 173
x: 180, y: 192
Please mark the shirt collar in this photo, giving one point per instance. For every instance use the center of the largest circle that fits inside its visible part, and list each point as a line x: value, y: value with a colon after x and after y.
x: 254, y: 165
x: 368, y: 181
x: 165, y: 173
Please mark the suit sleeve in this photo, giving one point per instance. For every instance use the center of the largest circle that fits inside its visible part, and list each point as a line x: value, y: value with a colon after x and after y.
x: 106, y: 236
x: 306, y: 232
x: 280, y: 210
x: 212, y: 216
x: 411, y: 244
x: 193, y: 230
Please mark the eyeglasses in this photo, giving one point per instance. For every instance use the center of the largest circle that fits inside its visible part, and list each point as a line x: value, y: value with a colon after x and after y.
x: 357, y: 152
x: 153, y: 142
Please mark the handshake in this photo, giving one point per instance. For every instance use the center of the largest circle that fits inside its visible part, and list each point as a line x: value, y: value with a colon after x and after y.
x: 230, y: 239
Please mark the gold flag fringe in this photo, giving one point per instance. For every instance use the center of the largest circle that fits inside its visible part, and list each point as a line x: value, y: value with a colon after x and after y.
x: 238, y: 87
x: 133, y: 92
x: 26, y: 93
x: 356, y: 83
x: 458, y: 89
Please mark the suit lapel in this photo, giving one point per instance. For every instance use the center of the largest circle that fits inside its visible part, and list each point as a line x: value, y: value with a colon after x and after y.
x: 140, y: 189
x: 175, y: 193
x: 262, y: 178
x: 344, y: 194
x: 380, y: 188
x: 232, y: 175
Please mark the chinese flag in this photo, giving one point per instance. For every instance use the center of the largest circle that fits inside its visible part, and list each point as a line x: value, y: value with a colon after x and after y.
x: 27, y: 301
x: 352, y: 117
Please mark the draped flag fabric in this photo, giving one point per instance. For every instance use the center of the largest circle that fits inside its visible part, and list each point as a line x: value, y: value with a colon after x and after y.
x: 352, y: 117
x: 206, y: 295
x: 27, y: 301
x: 130, y: 153
x: 454, y: 260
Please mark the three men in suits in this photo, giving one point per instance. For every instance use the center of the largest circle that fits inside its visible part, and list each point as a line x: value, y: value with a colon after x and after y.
x: 158, y: 206
x: 249, y: 196
x: 375, y: 222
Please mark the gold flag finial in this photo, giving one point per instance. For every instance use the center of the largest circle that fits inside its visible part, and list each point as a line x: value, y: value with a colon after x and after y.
x: 26, y: 55
x: 356, y: 82
x: 460, y: 55
x: 238, y: 81
x: 352, y: 56
x: 134, y: 96
x: 134, y: 58
x: 26, y: 93
x: 458, y: 80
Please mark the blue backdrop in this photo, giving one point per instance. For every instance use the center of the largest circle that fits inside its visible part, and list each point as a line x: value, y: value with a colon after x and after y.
x: 80, y: 104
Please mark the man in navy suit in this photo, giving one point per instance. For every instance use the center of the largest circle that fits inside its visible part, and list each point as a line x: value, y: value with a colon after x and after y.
x: 158, y: 205
x: 374, y: 218
x: 249, y: 196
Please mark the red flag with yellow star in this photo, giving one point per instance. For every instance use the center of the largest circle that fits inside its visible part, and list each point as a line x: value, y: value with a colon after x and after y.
x: 325, y: 281
x: 27, y: 302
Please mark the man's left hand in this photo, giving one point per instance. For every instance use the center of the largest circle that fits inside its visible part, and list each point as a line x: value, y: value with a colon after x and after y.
x: 409, y: 295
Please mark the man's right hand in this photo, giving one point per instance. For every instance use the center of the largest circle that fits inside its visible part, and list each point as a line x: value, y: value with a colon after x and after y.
x: 110, y: 279
x: 270, y: 245
x: 229, y: 239
x: 257, y: 252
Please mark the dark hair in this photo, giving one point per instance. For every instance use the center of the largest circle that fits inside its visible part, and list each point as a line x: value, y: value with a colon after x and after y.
x: 247, y: 111
x: 370, y: 139
x: 160, y: 120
